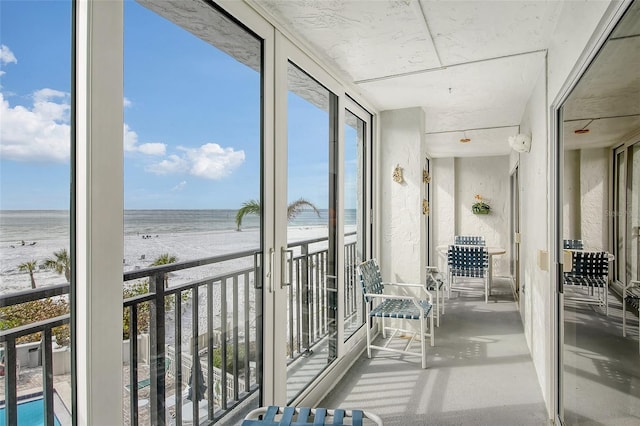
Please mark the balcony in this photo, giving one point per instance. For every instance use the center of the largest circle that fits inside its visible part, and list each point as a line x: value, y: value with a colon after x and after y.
x: 171, y: 331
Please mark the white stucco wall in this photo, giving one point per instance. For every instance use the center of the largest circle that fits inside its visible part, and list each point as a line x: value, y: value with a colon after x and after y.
x: 534, y: 227
x: 443, y: 206
x: 594, y: 196
x: 401, y: 224
x: 571, y: 196
x: 585, y: 197
x: 488, y: 177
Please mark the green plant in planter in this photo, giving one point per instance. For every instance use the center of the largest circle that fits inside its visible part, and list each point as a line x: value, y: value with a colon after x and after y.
x: 480, y: 207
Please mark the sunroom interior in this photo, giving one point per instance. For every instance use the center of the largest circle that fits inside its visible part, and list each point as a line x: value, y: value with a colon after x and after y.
x: 417, y: 108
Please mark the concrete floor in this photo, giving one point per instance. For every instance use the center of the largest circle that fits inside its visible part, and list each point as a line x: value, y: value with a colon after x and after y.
x: 479, y: 372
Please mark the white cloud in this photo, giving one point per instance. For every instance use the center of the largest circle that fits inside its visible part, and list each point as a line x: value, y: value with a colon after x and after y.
x: 130, y: 139
x: 209, y: 161
x: 126, y: 103
x: 180, y: 186
x: 153, y: 148
x: 41, y: 133
x: 130, y: 142
x: 7, y: 56
x: 173, y: 164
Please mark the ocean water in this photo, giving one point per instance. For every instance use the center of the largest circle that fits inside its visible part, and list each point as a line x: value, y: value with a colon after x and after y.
x: 17, y: 226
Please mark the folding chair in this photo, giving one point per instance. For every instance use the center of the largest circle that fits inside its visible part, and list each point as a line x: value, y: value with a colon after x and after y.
x: 395, y: 306
x: 469, y: 240
x: 589, y: 271
x: 292, y: 416
x: 573, y: 244
x: 468, y: 262
x: 435, y: 282
x: 631, y: 297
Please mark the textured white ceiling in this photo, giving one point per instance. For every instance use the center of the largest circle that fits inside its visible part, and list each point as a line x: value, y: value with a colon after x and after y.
x: 468, y: 64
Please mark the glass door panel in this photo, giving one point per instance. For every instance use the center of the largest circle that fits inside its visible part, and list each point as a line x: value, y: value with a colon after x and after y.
x: 310, y: 263
x: 599, y: 368
x: 355, y: 136
x: 633, y: 214
x: 193, y: 196
x: 619, y: 215
x: 37, y: 220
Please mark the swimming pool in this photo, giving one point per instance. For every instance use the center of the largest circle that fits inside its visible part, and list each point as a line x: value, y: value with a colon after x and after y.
x: 30, y: 413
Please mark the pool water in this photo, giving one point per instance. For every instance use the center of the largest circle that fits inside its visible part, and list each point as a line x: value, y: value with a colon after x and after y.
x: 30, y: 413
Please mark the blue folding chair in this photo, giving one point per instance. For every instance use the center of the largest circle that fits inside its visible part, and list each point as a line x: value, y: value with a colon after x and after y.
x: 435, y: 282
x: 573, y: 244
x: 381, y: 305
x: 468, y: 262
x: 590, y: 272
x: 292, y: 416
x: 469, y: 240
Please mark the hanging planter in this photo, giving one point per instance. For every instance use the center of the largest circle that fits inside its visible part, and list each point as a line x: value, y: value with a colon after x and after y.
x: 480, y: 207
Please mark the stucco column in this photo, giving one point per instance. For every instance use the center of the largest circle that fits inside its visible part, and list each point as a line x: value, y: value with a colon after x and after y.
x: 401, y: 224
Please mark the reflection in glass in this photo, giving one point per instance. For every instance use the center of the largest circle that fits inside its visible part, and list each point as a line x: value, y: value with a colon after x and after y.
x: 311, y: 234
x: 600, y: 366
x: 354, y: 135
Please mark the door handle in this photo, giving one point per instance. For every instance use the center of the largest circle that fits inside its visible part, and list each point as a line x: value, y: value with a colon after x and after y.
x: 272, y: 254
x: 257, y: 270
x: 286, y: 266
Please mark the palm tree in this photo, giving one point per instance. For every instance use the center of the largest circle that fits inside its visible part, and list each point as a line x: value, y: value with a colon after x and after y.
x: 29, y: 266
x: 165, y: 259
x: 253, y: 207
x: 61, y: 263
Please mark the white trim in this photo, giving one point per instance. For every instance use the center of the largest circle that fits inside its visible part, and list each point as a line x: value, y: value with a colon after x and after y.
x: 99, y: 210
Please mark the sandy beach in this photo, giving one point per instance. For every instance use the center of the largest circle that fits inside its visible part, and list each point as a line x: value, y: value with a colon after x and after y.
x: 139, y: 252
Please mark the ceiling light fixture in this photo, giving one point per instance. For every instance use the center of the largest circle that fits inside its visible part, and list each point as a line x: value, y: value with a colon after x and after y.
x: 584, y: 130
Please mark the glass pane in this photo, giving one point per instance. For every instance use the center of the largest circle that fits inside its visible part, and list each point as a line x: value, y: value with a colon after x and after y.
x: 354, y: 135
x: 633, y: 216
x: 35, y: 188
x: 619, y: 216
x: 312, y: 229
x: 600, y: 363
x: 192, y: 187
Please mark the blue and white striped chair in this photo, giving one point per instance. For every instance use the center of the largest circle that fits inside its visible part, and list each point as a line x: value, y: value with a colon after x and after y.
x: 435, y: 282
x: 468, y: 262
x: 573, y: 244
x: 379, y: 304
x: 292, y: 416
x: 590, y: 272
x: 469, y: 240
x: 631, y: 298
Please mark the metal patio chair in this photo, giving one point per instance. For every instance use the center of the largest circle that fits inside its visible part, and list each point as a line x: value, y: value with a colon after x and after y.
x: 469, y: 240
x: 590, y: 272
x: 435, y: 282
x: 468, y: 262
x: 573, y: 244
x: 293, y: 416
x: 379, y: 304
x: 631, y: 298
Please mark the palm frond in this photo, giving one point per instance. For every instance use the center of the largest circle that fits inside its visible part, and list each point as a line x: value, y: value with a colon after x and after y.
x: 298, y: 206
x: 248, y: 207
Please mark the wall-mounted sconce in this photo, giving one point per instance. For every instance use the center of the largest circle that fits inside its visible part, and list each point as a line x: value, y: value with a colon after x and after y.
x: 425, y: 177
x: 425, y: 207
x: 397, y: 174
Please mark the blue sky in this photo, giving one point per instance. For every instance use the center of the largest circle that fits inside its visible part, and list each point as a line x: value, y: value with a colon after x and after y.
x: 192, y: 117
